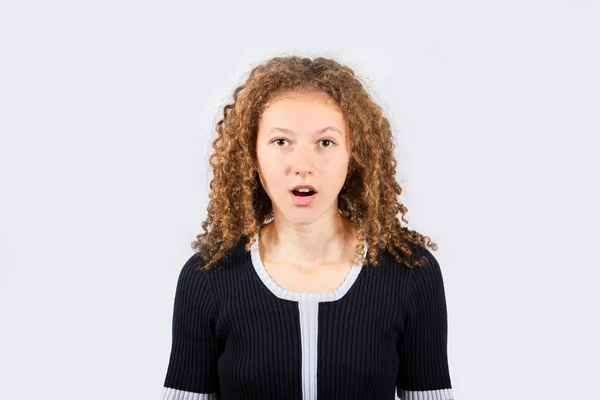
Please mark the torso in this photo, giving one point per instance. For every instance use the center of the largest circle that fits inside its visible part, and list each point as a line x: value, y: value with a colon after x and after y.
x: 320, y: 279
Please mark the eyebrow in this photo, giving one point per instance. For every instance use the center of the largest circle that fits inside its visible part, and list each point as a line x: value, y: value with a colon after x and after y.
x: 319, y: 131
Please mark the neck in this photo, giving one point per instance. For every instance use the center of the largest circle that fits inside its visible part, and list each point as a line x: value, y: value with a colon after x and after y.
x: 315, y: 246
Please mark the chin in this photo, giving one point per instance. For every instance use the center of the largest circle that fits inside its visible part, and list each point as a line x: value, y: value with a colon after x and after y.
x: 302, y: 221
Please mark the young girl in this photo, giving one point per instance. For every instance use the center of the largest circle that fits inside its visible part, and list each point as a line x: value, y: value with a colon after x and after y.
x: 305, y: 285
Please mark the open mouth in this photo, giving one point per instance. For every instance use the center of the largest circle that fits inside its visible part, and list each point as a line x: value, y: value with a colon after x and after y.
x: 303, y: 198
x: 303, y: 193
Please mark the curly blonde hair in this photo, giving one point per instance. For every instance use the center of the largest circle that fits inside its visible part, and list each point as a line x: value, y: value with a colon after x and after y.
x: 239, y: 205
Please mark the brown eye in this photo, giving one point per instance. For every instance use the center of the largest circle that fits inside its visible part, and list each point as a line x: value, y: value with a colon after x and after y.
x: 278, y: 140
x: 327, y: 140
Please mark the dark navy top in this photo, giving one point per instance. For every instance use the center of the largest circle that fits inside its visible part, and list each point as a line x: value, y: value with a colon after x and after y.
x: 238, y: 335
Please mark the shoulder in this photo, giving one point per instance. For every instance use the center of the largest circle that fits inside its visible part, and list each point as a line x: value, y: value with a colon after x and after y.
x: 191, y: 276
x: 418, y: 252
x: 231, y: 258
x: 422, y: 252
x: 425, y: 281
x: 230, y: 268
x: 406, y: 279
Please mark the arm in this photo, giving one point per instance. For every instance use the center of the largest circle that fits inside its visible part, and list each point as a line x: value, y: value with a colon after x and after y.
x: 192, y: 371
x: 423, y: 373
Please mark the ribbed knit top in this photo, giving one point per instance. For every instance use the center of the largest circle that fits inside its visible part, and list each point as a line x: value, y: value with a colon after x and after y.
x: 237, y: 334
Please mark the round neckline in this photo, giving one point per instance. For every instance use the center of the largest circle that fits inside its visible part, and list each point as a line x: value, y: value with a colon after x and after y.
x: 282, y: 293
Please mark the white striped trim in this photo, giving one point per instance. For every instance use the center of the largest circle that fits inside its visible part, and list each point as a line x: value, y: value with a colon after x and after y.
x: 175, y: 394
x: 440, y: 394
x: 309, y: 331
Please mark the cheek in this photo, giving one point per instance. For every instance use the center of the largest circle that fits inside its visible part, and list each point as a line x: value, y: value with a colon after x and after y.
x: 270, y: 174
x: 266, y: 161
x: 335, y: 166
x: 270, y: 167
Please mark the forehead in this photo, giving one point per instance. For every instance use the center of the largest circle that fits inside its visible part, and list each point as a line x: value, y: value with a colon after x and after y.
x: 299, y: 112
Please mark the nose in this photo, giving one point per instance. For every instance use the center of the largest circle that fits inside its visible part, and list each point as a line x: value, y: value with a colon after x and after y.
x: 302, y: 163
x: 302, y: 171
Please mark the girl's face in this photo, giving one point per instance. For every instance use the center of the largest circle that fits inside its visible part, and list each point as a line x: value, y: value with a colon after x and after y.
x: 302, y: 139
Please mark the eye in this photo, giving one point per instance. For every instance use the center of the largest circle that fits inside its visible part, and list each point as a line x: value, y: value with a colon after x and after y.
x: 331, y: 142
x: 277, y: 140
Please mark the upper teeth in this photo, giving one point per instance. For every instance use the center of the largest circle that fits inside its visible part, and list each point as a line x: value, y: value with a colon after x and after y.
x: 304, y: 190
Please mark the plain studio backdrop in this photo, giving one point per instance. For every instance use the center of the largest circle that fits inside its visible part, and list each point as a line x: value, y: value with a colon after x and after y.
x: 107, y: 112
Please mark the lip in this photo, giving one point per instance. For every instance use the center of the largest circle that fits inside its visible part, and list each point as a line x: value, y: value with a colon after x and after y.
x: 305, y: 186
x: 302, y: 201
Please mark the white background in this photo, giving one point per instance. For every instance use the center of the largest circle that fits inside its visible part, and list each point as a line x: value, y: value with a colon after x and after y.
x: 107, y: 112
